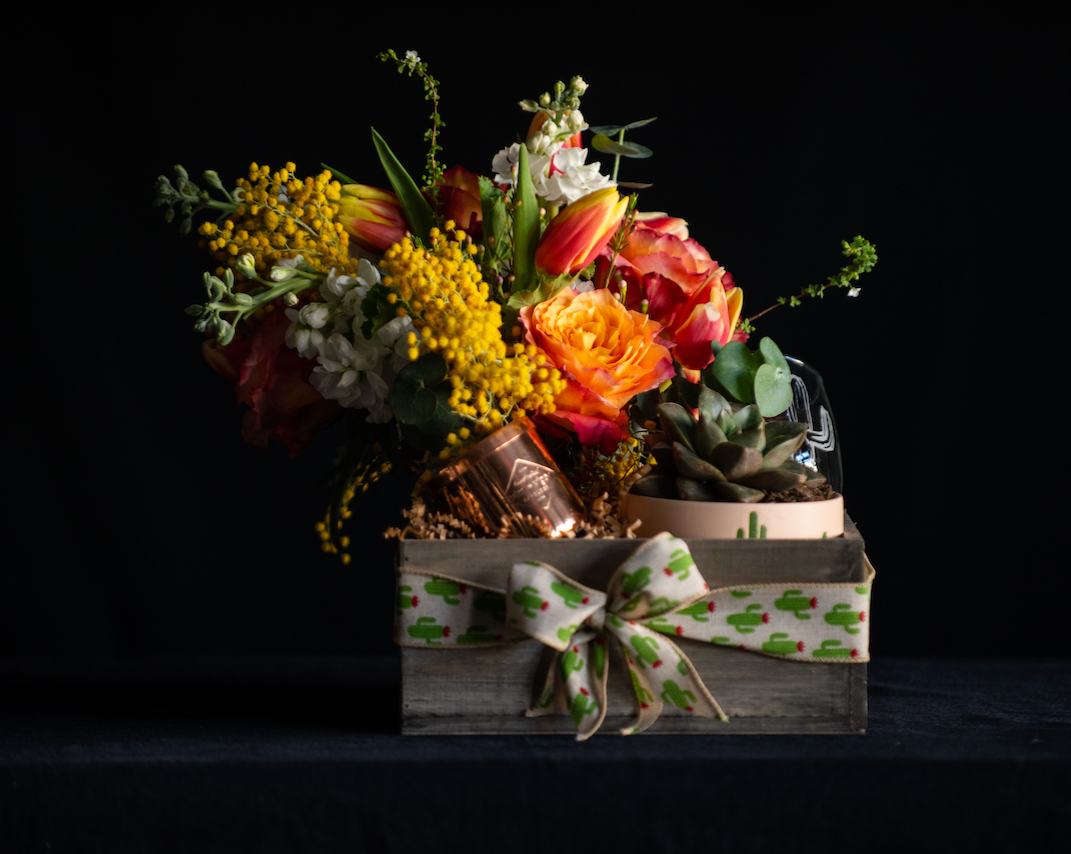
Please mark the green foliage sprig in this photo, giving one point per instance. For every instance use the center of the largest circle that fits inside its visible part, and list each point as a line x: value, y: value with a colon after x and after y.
x: 433, y: 171
x: 864, y: 256
x: 190, y: 198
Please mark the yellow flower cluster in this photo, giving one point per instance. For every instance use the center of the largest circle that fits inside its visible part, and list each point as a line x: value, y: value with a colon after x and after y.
x: 374, y: 471
x: 455, y: 316
x: 271, y: 230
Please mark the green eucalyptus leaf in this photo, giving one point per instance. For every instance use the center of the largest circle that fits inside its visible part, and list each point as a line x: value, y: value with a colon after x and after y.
x: 417, y: 209
x: 773, y: 380
x: 411, y: 405
x: 611, y: 130
x: 734, y: 369
x: 429, y: 370
x: 601, y: 142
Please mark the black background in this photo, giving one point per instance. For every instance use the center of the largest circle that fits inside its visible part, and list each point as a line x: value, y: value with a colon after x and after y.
x: 142, y: 523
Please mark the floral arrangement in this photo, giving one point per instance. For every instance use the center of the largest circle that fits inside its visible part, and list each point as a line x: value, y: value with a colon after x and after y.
x: 433, y: 314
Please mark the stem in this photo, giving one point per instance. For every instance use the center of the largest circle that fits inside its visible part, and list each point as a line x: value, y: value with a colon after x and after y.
x: 617, y: 157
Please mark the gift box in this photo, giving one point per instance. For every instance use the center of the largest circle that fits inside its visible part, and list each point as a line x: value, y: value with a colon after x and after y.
x: 465, y: 672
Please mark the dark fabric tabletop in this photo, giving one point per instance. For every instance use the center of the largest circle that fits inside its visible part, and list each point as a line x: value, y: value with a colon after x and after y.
x: 303, y: 754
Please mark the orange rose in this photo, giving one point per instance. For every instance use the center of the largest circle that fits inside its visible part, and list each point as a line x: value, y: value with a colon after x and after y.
x: 609, y: 354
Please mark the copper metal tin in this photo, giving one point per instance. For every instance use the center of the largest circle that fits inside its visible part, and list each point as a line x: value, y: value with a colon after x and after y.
x: 508, y: 485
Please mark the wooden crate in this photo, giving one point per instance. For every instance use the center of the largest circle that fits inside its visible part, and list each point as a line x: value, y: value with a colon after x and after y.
x: 486, y: 691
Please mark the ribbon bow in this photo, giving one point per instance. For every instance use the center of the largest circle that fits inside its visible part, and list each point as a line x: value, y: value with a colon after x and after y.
x: 658, y: 580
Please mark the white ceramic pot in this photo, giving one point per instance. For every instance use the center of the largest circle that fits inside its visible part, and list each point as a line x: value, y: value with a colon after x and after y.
x: 722, y: 520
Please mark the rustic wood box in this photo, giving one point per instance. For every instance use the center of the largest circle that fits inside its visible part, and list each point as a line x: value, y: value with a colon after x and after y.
x: 486, y: 690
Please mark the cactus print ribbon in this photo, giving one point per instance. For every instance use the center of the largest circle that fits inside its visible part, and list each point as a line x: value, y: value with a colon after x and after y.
x: 657, y: 594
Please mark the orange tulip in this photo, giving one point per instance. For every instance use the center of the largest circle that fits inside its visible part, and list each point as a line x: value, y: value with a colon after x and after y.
x: 580, y: 232
x: 372, y: 217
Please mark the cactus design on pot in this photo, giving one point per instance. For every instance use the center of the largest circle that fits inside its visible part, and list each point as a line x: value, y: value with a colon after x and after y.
x: 833, y: 649
x: 449, y: 590
x: 645, y: 649
x: 778, y: 645
x: 642, y: 694
x: 571, y: 662
x: 843, y: 615
x: 427, y: 630
x: 680, y: 564
x: 528, y: 598
x: 636, y: 581
x: 754, y: 530
x: 745, y: 623
x: 405, y: 601
x: 478, y: 634
x: 570, y: 595
x: 794, y: 602
x: 672, y: 693
x: 582, y: 705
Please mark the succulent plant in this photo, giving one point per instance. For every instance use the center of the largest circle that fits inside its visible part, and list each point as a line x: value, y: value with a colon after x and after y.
x: 729, y: 453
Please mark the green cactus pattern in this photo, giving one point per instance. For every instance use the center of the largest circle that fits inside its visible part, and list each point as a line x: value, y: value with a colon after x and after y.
x: 793, y: 601
x: 449, y: 590
x: 740, y: 594
x: 833, y: 649
x: 491, y: 603
x: 843, y: 615
x: 661, y: 624
x: 478, y: 634
x: 570, y: 595
x: 582, y: 705
x: 599, y: 649
x: 571, y: 662
x: 672, y: 693
x: 754, y: 532
x: 680, y: 562
x: 745, y: 622
x: 642, y: 694
x: 426, y: 629
x: 779, y: 646
x: 528, y: 598
x: 721, y: 640
x: 568, y: 632
x: 405, y: 601
x: 698, y: 611
x: 635, y: 581
x: 664, y: 604
x: 645, y: 649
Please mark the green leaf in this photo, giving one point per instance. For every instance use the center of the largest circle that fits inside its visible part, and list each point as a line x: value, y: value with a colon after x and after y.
x: 342, y: 176
x: 632, y: 185
x: 734, y: 369
x: 377, y: 311
x: 773, y: 380
x: 601, y: 142
x: 429, y: 370
x: 525, y: 225
x: 611, y: 130
x: 417, y: 209
x: 678, y: 424
x: 411, y: 405
x: 495, y: 220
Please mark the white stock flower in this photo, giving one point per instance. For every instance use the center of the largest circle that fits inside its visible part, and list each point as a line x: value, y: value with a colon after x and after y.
x: 349, y: 374
x: 559, y: 176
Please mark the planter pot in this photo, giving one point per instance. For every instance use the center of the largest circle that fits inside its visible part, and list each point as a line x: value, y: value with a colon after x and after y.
x: 717, y: 520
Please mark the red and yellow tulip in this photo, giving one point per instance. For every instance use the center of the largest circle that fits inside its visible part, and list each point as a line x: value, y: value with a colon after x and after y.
x: 373, y: 218
x: 580, y: 232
